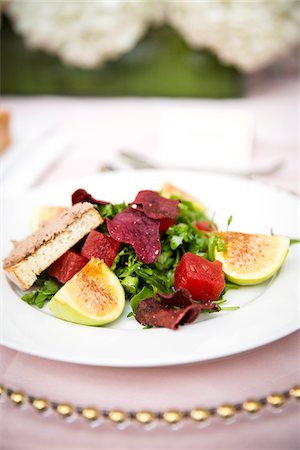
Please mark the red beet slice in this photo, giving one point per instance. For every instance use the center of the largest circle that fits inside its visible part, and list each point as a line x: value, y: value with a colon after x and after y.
x: 131, y: 226
x: 64, y: 268
x: 100, y: 246
x: 155, y: 206
x: 157, y: 314
x: 82, y: 195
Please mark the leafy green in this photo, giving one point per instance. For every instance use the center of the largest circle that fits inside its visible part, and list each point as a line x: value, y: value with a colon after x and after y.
x: 229, y: 221
x: 190, y: 213
x: 294, y: 241
x: 130, y: 284
x: 229, y: 286
x: 109, y: 210
x: 187, y: 238
x: 215, y: 243
x: 142, y: 295
x: 229, y: 308
x: 39, y: 296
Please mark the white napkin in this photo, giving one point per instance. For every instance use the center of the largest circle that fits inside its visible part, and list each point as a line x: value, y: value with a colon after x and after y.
x: 33, y: 150
x: 205, y: 138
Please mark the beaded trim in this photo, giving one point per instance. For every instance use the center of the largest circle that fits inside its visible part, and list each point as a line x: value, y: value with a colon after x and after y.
x: 200, y: 415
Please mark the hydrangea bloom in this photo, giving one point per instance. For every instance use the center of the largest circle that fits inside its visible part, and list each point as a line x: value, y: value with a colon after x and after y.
x: 247, y: 34
x: 83, y: 33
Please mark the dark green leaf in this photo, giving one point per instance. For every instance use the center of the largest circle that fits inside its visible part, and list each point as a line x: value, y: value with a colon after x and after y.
x: 229, y: 222
x: 30, y: 297
x: 39, y: 296
x: 130, y: 284
x: 142, y: 295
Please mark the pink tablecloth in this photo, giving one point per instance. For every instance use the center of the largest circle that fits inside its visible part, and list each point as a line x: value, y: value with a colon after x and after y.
x: 274, y: 367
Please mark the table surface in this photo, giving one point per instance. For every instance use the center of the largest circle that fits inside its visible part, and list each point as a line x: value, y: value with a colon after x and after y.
x: 98, y: 128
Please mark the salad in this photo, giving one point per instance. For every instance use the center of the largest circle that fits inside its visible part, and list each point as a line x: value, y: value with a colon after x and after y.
x: 163, y: 254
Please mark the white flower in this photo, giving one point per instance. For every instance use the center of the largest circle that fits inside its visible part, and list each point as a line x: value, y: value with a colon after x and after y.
x: 249, y: 34
x: 83, y: 33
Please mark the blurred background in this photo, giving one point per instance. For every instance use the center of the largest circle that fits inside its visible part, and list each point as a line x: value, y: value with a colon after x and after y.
x: 83, y: 82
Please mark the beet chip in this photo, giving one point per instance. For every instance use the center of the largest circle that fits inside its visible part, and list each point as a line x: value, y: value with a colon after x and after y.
x: 155, y: 206
x: 131, y: 226
x: 160, y: 311
x: 82, y: 196
x: 157, y: 314
x: 180, y: 298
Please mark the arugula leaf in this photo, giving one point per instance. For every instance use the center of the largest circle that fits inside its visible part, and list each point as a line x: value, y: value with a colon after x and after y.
x: 39, y: 296
x: 229, y: 308
x: 162, y: 282
x: 130, y: 284
x: 294, y: 241
x: 187, y: 238
x: 229, y: 286
x: 189, y: 213
x: 142, y: 295
x: 109, y: 210
x: 229, y: 221
x: 215, y: 242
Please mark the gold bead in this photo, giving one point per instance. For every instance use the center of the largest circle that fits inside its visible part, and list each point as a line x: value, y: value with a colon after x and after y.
x: 117, y: 416
x: 90, y: 413
x: 252, y: 406
x: 276, y: 400
x: 64, y: 409
x: 2, y: 390
x: 145, y: 417
x: 17, y: 397
x: 200, y: 414
x: 172, y: 417
x: 295, y: 392
x: 226, y: 411
x: 40, y: 404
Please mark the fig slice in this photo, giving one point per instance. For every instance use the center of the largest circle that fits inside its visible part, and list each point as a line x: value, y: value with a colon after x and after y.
x: 94, y: 296
x: 252, y: 258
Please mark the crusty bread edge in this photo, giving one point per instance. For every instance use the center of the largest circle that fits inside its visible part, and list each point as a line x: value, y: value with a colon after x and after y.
x: 25, y: 272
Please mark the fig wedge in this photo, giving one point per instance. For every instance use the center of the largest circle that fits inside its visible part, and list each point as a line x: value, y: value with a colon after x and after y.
x: 252, y: 258
x: 94, y: 296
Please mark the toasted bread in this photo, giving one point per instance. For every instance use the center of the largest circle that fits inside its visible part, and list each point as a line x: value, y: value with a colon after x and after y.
x: 4, y: 130
x: 38, y: 251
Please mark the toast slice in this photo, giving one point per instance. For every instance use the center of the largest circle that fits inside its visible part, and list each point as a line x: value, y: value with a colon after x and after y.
x: 38, y: 251
x: 5, y: 139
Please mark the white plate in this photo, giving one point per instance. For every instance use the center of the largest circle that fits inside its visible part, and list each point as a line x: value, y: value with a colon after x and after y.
x: 267, y: 312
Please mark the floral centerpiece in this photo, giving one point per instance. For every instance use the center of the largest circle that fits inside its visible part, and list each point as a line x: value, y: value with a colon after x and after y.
x: 89, y: 35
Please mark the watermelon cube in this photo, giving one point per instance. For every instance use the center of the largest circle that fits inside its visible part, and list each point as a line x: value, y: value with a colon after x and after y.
x: 101, y: 246
x: 64, y: 268
x: 203, y: 279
